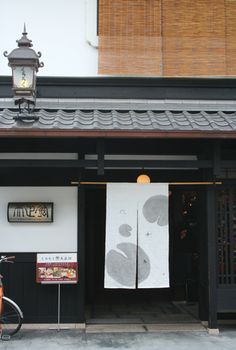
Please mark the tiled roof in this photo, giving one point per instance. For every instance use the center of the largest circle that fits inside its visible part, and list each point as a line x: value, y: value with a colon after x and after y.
x: 127, y: 104
x: 123, y: 120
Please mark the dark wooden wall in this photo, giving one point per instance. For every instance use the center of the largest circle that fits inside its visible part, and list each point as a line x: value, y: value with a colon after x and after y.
x: 38, y: 301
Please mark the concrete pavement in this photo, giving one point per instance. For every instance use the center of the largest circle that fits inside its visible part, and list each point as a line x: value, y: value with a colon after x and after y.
x: 30, y: 339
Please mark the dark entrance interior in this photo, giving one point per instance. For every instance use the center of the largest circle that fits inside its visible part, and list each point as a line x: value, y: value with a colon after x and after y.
x: 180, y: 302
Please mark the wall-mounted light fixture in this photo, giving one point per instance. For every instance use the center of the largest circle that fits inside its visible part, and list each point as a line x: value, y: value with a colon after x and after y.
x: 24, y: 62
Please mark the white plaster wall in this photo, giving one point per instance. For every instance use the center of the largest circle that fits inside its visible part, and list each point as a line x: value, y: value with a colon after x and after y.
x: 57, y: 28
x: 58, y: 236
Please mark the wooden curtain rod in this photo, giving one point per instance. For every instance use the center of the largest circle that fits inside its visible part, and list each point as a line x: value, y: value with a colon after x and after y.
x: 78, y: 183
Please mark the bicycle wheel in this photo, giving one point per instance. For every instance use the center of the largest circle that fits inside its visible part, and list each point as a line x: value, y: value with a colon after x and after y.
x: 10, y: 318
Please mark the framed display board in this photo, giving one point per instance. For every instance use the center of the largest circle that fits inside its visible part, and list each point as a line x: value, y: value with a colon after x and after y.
x: 57, y: 268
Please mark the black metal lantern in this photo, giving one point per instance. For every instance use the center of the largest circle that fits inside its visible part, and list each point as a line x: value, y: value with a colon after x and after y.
x: 24, y: 62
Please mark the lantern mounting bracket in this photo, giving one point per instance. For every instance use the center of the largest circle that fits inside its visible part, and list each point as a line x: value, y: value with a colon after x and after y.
x: 26, y: 110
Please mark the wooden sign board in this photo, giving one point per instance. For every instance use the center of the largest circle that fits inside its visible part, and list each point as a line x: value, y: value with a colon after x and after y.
x: 35, y: 212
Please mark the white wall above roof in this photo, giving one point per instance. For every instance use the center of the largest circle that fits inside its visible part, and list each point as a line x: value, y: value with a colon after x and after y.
x: 57, y: 28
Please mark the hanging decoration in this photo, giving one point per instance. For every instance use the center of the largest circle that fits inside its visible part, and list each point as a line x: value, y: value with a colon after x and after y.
x: 137, y: 236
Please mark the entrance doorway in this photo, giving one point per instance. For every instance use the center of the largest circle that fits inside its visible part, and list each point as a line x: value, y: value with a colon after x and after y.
x: 179, y: 303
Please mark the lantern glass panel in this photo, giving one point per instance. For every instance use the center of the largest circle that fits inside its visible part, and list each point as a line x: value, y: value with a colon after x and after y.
x: 23, y: 77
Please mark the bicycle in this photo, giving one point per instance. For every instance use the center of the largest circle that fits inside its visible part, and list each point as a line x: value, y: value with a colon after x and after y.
x: 11, y: 316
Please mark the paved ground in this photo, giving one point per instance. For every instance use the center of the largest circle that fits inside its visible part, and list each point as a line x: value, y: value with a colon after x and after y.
x: 142, y: 310
x: 79, y: 339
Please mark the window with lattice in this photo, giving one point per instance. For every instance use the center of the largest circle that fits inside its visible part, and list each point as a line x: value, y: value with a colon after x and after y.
x: 226, y: 234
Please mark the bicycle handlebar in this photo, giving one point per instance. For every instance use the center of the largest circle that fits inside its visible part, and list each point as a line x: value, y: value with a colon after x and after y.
x: 6, y: 258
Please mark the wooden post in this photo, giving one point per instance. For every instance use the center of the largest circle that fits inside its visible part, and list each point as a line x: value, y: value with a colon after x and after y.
x: 81, y: 254
x: 217, y: 158
x: 100, y: 154
x: 212, y: 261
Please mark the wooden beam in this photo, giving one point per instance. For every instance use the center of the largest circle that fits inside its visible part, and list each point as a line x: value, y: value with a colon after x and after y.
x: 134, y: 134
x: 170, y: 183
x: 46, y: 163
x: 82, y: 163
x: 194, y: 164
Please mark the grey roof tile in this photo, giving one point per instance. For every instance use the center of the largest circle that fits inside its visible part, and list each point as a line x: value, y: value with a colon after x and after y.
x: 149, y: 120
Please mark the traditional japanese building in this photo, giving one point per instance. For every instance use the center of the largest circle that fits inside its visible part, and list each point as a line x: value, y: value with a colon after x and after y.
x: 161, y: 104
x: 182, y: 139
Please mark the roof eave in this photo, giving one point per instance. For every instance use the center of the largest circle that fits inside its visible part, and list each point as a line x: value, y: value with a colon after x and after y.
x: 25, y: 133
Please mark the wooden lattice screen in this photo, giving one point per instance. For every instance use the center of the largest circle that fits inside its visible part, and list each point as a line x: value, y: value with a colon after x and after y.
x: 130, y: 37
x: 167, y: 37
x: 226, y: 225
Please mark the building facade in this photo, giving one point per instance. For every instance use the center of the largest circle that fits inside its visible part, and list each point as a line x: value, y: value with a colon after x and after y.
x: 90, y: 131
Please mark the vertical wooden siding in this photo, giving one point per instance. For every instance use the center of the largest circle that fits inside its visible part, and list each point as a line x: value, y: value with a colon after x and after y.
x: 167, y: 37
